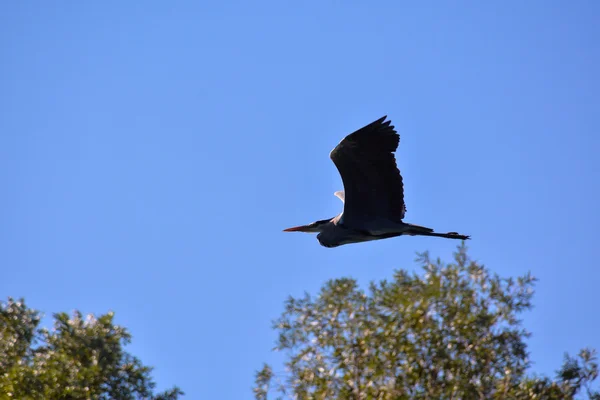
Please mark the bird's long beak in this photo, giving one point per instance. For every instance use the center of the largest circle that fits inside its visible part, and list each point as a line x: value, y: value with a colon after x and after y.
x: 301, y: 228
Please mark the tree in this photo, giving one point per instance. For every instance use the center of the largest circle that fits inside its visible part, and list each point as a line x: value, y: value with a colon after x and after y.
x: 450, y: 333
x: 78, y: 359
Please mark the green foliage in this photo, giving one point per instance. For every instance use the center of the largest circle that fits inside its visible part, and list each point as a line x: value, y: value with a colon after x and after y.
x: 78, y: 359
x: 451, y: 332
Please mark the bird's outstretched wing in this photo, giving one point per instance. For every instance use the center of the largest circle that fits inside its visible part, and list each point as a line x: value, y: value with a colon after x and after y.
x: 372, y: 182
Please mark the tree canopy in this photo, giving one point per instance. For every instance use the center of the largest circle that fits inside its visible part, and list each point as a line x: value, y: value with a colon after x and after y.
x: 449, y: 332
x: 80, y: 358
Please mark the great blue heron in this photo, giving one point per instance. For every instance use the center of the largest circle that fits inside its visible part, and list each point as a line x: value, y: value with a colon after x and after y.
x: 373, y: 193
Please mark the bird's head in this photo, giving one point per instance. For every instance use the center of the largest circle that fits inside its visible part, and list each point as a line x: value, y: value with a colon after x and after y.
x: 315, y: 227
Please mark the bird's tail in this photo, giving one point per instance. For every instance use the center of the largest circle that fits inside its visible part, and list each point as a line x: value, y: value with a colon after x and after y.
x: 417, y: 230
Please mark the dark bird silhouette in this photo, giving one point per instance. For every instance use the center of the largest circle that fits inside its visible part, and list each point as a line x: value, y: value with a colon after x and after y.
x: 373, y: 193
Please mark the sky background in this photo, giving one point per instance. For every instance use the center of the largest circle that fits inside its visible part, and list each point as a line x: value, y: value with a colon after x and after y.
x: 151, y: 154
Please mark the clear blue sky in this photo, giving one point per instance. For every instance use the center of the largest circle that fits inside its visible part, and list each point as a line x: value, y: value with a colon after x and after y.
x: 151, y: 154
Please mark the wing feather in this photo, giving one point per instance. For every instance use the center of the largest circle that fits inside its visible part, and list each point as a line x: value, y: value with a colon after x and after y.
x: 372, y: 182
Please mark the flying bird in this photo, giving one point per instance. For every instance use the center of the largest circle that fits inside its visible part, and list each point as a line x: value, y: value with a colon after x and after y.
x: 373, y: 194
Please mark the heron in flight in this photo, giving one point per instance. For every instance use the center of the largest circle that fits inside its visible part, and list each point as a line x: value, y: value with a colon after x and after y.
x: 373, y: 193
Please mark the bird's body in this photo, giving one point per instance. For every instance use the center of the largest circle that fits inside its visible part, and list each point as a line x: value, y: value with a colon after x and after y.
x: 373, y: 193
